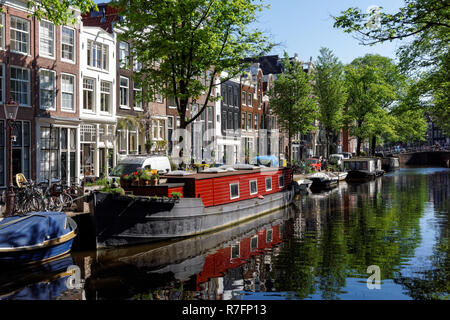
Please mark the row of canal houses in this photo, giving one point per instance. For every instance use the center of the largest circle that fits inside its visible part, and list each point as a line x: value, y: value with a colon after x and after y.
x: 78, y: 115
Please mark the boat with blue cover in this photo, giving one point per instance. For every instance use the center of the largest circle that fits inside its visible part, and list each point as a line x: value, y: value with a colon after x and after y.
x: 36, y: 237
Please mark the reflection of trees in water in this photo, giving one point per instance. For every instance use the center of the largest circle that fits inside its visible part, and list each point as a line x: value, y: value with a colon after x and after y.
x: 434, y: 283
x: 371, y: 223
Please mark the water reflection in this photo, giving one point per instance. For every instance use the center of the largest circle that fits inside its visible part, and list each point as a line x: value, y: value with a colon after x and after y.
x: 319, y: 248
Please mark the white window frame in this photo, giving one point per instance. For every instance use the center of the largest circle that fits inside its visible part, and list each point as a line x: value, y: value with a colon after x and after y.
x: 73, y: 109
x: 2, y: 83
x: 127, y: 88
x: 233, y: 255
x: 73, y: 45
x: 42, y: 53
x: 280, y: 177
x: 27, y: 33
x: 269, y: 235
x: 244, y: 101
x: 103, y: 62
x: 93, y: 94
x: 252, y: 246
x: 271, y: 185
x: 250, y: 187
x: 104, y: 92
x: 2, y: 31
x: 124, y: 55
x: 238, y: 195
x: 138, y: 106
x: 28, y: 103
x: 53, y: 89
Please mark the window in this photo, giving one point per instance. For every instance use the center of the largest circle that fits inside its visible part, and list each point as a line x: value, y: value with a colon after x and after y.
x: 97, y: 55
x: 256, y: 121
x: 67, y: 92
x: 230, y: 120
x: 269, y: 236
x: 234, y: 191
x: 47, y: 89
x: 122, y: 141
x: 137, y: 97
x: 268, y: 184
x: 259, y: 101
x: 105, y: 96
x: 249, y: 125
x: 2, y: 82
x: 253, y: 187
x: 67, y: 44
x: 244, y: 97
x: 224, y: 120
x: 244, y: 120
x: 19, y: 35
x: 254, y: 243
x: 132, y: 142
x: 281, y: 181
x: 88, y: 94
x: 20, y: 85
x: 250, y: 99
x: 49, y: 151
x: 236, y: 121
x: 158, y: 126
x: 124, y: 53
x: 2, y: 30
x: 137, y: 65
x: 46, y: 39
x: 2, y: 153
x: 124, y: 92
x: 235, y: 251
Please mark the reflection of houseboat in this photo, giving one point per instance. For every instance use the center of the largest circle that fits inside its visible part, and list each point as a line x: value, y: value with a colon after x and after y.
x: 390, y: 163
x: 209, y: 200
x: 360, y: 169
x: 378, y: 167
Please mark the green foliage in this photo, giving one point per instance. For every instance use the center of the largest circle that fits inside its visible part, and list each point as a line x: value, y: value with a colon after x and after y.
x: 59, y: 12
x: 176, y: 195
x: 291, y: 99
x: 184, y: 44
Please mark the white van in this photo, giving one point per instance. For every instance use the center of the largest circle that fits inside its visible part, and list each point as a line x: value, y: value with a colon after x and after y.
x: 132, y: 164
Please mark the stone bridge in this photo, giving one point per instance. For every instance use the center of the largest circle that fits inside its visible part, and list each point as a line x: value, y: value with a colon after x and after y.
x: 425, y: 158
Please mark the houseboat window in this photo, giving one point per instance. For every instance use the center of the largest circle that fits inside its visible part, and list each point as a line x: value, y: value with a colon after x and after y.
x: 281, y: 181
x: 269, y: 236
x: 268, y: 184
x: 235, y: 251
x: 234, y: 190
x: 253, y: 187
x: 254, y: 243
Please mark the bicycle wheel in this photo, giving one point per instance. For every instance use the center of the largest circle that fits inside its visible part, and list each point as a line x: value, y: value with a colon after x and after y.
x: 62, y: 202
x: 33, y: 202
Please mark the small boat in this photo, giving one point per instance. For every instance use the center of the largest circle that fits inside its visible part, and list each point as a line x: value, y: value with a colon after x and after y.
x: 340, y: 175
x: 304, y: 184
x: 36, y: 237
x: 322, y: 180
x: 362, y: 169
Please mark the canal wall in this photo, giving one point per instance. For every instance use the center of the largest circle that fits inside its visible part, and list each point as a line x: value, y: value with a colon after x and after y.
x: 426, y: 158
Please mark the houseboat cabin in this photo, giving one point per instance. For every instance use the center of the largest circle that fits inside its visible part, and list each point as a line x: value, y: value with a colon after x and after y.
x: 360, y: 169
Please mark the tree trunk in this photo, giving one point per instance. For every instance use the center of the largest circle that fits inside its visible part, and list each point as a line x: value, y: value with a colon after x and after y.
x: 358, y: 146
x: 373, y: 145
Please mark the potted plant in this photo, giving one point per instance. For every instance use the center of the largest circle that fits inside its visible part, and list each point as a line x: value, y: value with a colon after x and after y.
x: 144, y: 178
x: 135, y: 178
x: 154, y: 178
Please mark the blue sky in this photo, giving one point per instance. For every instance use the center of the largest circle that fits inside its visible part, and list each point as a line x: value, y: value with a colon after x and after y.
x: 304, y: 26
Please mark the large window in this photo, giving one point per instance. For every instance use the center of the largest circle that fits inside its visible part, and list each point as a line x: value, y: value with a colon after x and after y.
x: 249, y: 122
x: 158, y: 126
x: 21, y: 148
x: 124, y: 92
x: 268, y: 184
x: 46, y: 39
x: 244, y: 121
x: 2, y: 82
x: 105, y: 96
x: 244, y: 97
x: 47, y: 89
x: 2, y: 31
x: 67, y: 92
x: 124, y: 53
x: 234, y: 191
x: 19, y: 35
x: 250, y: 99
x: 49, y: 149
x: 88, y: 94
x: 97, y: 55
x: 20, y: 85
x: 68, y: 44
x: 137, y: 97
x: 253, y: 187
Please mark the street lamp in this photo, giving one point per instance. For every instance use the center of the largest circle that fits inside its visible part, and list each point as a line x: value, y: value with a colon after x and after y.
x: 11, y: 108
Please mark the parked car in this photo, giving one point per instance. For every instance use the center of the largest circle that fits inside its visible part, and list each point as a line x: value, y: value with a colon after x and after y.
x: 347, y: 155
x: 314, y: 163
x: 133, y: 163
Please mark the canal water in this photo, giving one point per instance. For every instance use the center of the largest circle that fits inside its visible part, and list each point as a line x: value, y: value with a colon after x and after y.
x: 328, y: 245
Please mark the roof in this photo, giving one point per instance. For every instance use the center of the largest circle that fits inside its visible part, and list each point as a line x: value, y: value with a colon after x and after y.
x: 202, y: 176
x: 103, y: 18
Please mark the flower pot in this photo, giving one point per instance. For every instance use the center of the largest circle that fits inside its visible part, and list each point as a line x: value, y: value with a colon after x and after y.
x: 154, y: 182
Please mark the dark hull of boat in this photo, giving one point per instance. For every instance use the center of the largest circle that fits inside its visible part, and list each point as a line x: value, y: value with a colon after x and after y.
x: 319, y: 184
x: 123, y: 220
x: 360, y: 176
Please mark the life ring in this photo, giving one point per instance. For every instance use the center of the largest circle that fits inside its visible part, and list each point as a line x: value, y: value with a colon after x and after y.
x: 20, y: 180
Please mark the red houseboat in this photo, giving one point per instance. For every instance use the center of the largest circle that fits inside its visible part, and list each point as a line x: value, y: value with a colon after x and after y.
x: 206, y: 201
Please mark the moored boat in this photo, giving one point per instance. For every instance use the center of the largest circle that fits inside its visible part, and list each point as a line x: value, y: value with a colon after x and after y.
x: 360, y: 169
x: 303, y: 184
x: 322, y: 180
x: 207, y: 201
x: 36, y: 237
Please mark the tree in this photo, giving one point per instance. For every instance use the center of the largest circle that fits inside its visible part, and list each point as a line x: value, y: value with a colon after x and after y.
x: 183, y: 45
x: 329, y: 88
x: 59, y: 12
x: 373, y: 84
x: 427, y: 24
x: 291, y: 100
